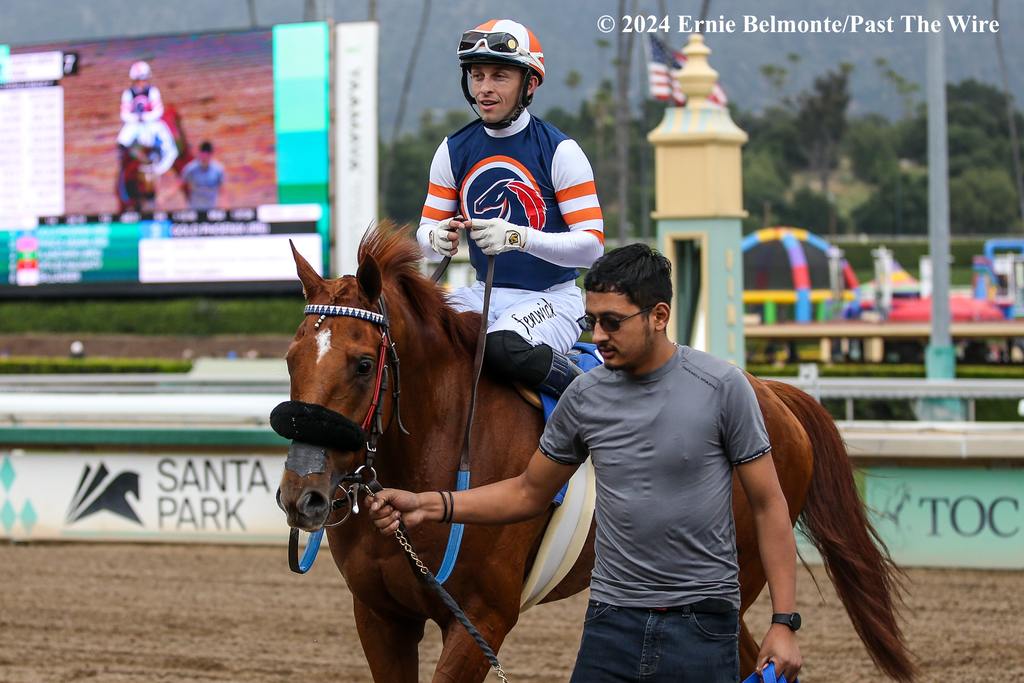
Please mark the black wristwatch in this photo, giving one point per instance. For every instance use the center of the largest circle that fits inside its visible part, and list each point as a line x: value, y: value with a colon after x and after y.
x: 790, y: 619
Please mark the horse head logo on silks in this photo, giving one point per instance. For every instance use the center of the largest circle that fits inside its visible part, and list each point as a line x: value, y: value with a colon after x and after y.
x: 500, y: 197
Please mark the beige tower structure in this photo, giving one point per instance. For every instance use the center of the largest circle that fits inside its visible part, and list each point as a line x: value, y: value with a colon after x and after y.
x: 698, y: 209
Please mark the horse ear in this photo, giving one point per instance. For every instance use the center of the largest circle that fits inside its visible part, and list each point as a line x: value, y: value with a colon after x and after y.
x: 310, y: 279
x: 368, y: 277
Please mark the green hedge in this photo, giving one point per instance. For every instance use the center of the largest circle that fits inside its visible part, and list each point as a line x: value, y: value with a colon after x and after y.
x: 888, y: 370
x: 193, y: 316
x: 32, y: 365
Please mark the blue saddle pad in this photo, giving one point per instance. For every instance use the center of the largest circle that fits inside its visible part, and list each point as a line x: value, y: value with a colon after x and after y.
x: 586, y: 360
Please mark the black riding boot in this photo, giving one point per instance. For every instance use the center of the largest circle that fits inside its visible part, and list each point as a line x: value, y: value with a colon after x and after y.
x: 563, y: 371
x: 540, y: 367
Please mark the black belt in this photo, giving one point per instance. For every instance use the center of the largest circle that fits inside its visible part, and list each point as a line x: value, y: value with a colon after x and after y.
x: 705, y: 606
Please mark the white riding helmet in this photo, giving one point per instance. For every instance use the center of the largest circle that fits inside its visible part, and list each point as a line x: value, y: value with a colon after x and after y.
x: 140, y: 71
x: 502, y: 41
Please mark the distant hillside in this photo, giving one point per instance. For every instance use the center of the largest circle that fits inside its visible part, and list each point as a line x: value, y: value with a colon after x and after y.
x: 568, y: 31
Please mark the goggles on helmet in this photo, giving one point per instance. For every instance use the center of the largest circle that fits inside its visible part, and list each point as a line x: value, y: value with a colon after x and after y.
x: 497, y: 42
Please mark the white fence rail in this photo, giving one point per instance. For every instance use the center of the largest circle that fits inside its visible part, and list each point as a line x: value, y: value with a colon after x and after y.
x: 848, y: 389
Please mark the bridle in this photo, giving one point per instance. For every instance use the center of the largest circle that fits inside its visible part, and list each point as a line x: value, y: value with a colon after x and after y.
x: 360, y: 479
x: 308, y: 451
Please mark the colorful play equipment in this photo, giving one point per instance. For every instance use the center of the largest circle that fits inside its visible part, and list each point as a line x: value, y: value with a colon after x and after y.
x: 767, y: 285
x: 999, y: 276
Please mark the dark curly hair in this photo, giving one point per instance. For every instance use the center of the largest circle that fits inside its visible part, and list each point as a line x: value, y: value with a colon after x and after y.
x: 636, y: 270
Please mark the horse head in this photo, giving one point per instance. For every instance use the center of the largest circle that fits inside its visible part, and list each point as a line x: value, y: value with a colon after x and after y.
x: 136, y: 187
x: 334, y: 363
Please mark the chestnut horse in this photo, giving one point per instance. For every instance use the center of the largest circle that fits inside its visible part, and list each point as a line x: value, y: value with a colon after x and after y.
x: 332, y: 363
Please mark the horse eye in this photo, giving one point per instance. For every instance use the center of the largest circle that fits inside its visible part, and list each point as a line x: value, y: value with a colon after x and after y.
x: 364, y: 366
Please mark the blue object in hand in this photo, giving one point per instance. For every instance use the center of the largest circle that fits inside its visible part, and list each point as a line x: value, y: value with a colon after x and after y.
x: 767, y: 675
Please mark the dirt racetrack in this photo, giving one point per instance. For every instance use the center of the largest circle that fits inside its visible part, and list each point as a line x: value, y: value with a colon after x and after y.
x: 94, y: 612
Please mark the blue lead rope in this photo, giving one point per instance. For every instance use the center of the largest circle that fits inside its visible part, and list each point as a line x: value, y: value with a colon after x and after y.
x: 451, y: 552
x: 767, y: 675
x: 312, y: 546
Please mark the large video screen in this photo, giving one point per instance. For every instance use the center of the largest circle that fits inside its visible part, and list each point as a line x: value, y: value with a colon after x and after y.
x: 170, y: 163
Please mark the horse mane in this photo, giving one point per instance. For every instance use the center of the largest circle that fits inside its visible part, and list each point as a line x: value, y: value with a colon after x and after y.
x: 398, y: 256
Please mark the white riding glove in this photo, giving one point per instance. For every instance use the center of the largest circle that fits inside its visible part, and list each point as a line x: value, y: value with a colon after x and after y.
x: 496, y: 235
x: 440, y: 238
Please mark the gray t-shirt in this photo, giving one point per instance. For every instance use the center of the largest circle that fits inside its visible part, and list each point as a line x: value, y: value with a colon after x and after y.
x: 663, y: 445
x: 204, y: 183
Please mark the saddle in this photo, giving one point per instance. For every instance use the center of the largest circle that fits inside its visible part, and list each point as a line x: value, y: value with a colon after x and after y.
x: 567, y: 531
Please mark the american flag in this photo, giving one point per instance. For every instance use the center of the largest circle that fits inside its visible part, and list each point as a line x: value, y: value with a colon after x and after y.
x: 663, y: 66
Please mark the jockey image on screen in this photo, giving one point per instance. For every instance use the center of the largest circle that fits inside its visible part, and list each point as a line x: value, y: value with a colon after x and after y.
x: 141, y: 104
x: 142, y: 111
x: 522, y: 191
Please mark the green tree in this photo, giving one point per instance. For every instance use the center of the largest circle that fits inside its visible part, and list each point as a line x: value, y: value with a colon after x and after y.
x: 410, y: 70
x: 822, y: 122
x: 982, y: 200
x: 898, y: 206
x: 764, y: 189
x: 811, y: 210
x: 906, y: 89
x: 977, y: 129
x: 871, y: 146
x: 1011, y: 116
x: 410, y: 165
x: 775, y: 132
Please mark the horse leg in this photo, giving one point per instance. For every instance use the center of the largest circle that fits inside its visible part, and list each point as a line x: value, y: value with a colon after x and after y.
x: 748, y: 650
x: 391, y: 644
x: 461, y: 660
x: 752, y: 576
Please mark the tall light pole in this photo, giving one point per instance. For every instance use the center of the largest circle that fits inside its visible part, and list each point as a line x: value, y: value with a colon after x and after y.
x: 940, y: 358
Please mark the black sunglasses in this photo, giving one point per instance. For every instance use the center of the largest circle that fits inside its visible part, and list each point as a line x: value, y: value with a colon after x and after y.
x: 609, y: 323
x: 505, y: 43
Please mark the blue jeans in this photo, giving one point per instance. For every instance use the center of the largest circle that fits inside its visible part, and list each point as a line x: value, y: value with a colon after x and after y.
x: 651, y: 646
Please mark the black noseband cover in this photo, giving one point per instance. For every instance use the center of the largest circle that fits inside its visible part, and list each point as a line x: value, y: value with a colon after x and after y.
x: 315, y: 424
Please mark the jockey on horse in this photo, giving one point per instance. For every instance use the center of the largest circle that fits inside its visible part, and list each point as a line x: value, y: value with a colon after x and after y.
x: 141, y: 104
x: 145, y: 137
x: 525, y: 193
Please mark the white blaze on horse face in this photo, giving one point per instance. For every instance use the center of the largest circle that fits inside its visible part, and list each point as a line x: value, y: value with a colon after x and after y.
x: 323, y: 344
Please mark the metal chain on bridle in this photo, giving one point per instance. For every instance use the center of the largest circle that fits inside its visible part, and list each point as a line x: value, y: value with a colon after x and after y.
x: 364, y: 478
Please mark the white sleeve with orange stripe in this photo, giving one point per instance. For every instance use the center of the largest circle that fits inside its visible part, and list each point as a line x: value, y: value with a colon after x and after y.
x: 442, y: 198
x: 577, y: 200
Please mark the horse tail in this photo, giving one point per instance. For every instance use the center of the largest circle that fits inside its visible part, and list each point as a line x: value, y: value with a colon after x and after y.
x: 834, y: 518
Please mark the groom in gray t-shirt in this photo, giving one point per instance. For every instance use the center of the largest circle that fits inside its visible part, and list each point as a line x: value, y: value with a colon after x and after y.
x: 664, y: 444
x: 666, y: 427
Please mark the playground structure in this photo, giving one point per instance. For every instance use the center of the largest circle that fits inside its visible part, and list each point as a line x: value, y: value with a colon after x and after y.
x: 821, y: 285
x: 999, y: 276
x: 764, y: 280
